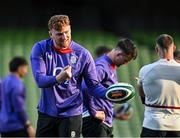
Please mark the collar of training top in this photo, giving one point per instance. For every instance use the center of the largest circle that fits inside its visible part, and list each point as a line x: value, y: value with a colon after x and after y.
x: 166, y: 60
x: 113, y: 66
x: 62, y: 51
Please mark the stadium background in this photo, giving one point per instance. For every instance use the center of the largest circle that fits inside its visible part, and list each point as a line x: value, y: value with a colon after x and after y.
x: 22, y: 23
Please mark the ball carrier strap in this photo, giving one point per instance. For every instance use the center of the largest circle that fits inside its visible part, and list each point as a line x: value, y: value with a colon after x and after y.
x: 165, y: 107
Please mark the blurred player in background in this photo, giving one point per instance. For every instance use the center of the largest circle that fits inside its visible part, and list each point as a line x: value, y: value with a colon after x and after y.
x: 14, y: 121
x: 0, y: 98
x: 124, y: 111
x: 0, y: 94
x: 177, y: 55
x: 101, y: 50
x: 59, y: 65
x: 98, y: 113
x: 159, y: 84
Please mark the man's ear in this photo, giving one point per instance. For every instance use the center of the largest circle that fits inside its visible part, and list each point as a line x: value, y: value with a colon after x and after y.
x: 119, y: 53
x: 156, y: 49
x: 174, y: 48
x: 50, y: 34
x: 19, y: 69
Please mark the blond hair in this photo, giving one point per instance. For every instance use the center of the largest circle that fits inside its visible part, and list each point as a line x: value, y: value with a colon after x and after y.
x: 57, y: 21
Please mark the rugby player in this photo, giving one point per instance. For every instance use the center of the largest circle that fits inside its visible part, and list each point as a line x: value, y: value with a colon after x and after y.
x: 98, y: 113
x: 14, y: 120
x: 59, y: 64
x: 159, y: 86
x: 0, y: 94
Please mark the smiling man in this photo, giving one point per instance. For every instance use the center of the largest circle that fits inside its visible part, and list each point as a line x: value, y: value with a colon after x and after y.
x: 59, y: 65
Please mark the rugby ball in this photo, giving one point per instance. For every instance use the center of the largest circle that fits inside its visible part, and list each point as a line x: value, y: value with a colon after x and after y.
x: 120, y: 92
x: 123, y: 112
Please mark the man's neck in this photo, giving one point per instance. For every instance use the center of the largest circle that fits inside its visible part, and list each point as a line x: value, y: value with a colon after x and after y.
x: 110, y: 55
x: 16, y: 74
x: 168, y: 56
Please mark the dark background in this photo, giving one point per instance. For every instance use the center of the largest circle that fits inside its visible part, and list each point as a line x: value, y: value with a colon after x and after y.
x: 118, y: 16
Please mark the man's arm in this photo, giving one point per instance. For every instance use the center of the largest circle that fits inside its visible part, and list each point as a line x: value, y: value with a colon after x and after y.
x: 141, y: 93
x: 18, y: 101
x: 39, y: 68
x: 93, y: 107
x: 88, y: 102
x: 91, y: 80
x: 140, y: 87
x: 97, y: 113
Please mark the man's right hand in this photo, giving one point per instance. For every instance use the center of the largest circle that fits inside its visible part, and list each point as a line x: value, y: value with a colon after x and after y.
x: 100, y: 115
x: 31, y: 131
x: 64, y: 74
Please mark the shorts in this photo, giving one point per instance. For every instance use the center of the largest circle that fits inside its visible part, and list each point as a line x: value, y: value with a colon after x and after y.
x: 93, y: 127
x: 48, y: 126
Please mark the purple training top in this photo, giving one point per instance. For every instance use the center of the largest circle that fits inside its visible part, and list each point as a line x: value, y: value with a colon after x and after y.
x: 64, y: 99
x: 107, y: 76
x: 12, y: 114
x: 0, y: 94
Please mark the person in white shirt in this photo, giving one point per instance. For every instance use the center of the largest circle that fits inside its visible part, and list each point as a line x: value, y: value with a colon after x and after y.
x: 159, y: 88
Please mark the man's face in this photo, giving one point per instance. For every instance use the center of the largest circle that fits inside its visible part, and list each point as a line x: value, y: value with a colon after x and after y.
x: 121, y: 58
x: 22, y: 70
x: 61, y: 38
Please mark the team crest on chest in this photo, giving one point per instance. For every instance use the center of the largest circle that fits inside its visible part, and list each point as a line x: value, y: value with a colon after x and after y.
x: 73, y: 59
x: 49, y: 56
